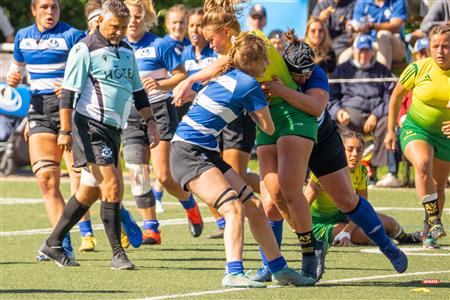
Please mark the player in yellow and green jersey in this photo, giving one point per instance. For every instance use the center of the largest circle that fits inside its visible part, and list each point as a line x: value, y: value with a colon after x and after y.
x: 423, y: 137
x: 332, y: 225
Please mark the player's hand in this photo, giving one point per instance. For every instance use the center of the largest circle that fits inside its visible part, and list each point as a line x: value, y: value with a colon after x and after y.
x: 152, y: 133
x: 370, y: 124
x: 150, y: 84
x: 446, y: 128
x: 326, y: 13
x: 343, y: 239
x: 14, y: 79
x: 273, y: 88
x: 58, y: 89
x: 181, y: 92
x: 64, y: 142
x: 390, y: 140
x: 343, y: 117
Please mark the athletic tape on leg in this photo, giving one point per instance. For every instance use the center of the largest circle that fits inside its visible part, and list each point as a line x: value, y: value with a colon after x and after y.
x: 140, y: 178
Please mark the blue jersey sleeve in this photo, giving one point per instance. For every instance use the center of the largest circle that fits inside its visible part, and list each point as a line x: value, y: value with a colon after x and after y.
x: 399, y: 10
x: 318, y: 80
x: 358, y: 11
x: 168, y: 58
x: 255, y: 99
x: 17, y: 53
x: 77, y: 68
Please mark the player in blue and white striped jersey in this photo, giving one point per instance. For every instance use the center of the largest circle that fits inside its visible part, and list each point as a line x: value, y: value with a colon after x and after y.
x: 198, y: 54
x: 42, y: 50
x: 197, y: 166
x: 176, y: 22
x: 195, y: 57
x: 155, y: 58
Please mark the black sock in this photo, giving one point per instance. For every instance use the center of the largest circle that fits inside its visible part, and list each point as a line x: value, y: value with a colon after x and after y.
x: 72, y: 213
x: 307, y: 242
x: 110, y: 214
x: 430, y: 203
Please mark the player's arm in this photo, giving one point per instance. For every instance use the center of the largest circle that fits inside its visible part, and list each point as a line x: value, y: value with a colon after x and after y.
x: 263, y: 120
x: 143, y: 107
x: 75, y: 75
x: 312, y: 102
x: 405, y: 84
x: 182, y: 90
x: 178, y: 74
x: 312, y: 190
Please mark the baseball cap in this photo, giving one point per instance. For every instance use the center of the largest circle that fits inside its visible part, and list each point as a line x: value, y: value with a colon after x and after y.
x: 421, y: 44
x: 363, y: 41
x: 257, y: 9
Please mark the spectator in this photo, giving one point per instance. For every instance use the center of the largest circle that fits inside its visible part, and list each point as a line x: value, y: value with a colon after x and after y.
x: 363, y: 106
x: 257, y: 17
x: 438, y: 13
x: 6, y: 27
x: 276, y: 38
x: 421, y: 51
x: 336, y: 14
x: 383, y: 20
x: 317, y: 37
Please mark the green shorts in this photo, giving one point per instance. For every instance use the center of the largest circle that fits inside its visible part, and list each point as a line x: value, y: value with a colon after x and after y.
x: 288, y: 121
x: 410, y: 131
x: 323, y: 226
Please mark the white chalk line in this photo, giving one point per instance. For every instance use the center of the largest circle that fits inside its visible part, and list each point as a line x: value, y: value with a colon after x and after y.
x: 162, y: 223
x: 353, y: 279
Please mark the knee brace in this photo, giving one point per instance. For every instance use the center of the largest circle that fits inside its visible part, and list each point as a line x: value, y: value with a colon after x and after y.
x: 87, y: 178
x: 221, y: 200
x: 140, y: 179
x: 145, y: 201
x: 245, y: 193
x: 44, y: 165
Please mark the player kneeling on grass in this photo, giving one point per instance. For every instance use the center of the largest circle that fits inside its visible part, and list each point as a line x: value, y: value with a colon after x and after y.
x: 196, y: 163
x: 102, y: 75
x: 333, y: 226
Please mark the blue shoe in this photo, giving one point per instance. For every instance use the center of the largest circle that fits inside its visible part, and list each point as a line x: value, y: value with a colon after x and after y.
x: 67, y: 247
x: 262, y: 275
x: 398, y: 259
x: 288, y: 276
x: 240, y: 280
x: 131, y: 228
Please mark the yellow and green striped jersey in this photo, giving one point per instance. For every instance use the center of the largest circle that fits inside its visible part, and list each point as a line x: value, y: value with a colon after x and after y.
x: 431, y: 94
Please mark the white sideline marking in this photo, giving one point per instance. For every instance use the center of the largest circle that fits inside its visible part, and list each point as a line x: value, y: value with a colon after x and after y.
x: 96, y: 227
x: 416, y: 251
x: 193, y: 294
x: 14, y: 201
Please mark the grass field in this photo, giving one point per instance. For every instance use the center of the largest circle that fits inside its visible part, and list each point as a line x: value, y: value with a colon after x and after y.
x: 187, y: 267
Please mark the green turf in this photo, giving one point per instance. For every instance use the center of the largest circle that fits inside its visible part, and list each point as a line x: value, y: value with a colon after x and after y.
x: 183, y: 264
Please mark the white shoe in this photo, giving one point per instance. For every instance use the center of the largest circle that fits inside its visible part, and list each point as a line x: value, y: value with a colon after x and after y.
x: 389, y: 180
x: 159, y: 207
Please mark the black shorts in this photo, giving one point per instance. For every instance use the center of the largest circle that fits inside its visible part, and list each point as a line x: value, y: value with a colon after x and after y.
x: 328, y: 155
x: 136, y: 153
x: 239, y: 134
x: 188, y: 161
x: 135, y: 130
x: 166, y: 117
x: 43, y: 114
x: 94, y: 142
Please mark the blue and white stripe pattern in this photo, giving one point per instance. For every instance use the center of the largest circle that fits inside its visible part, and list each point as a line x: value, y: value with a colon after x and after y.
x: 219, y: 103
x: 192, y: 64
x: 45, y: 54
x: 155, y: 58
